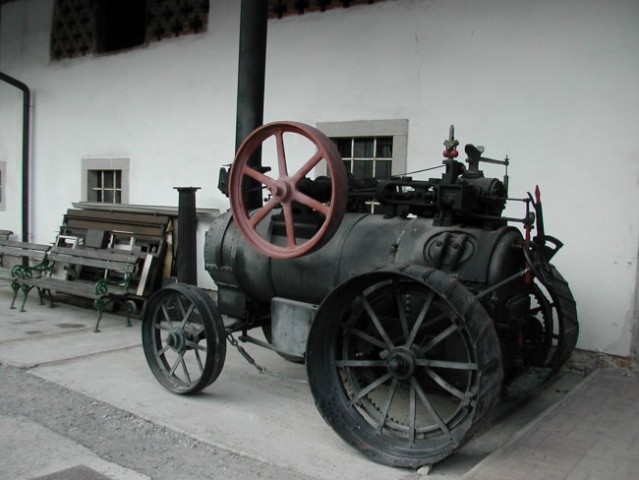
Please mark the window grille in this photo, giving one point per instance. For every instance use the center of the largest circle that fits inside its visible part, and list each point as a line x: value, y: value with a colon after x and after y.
x: 105, y: 186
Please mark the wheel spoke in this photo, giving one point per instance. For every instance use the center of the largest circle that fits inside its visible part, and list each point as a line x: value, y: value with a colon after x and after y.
x: 161, y: 352
x: 281, y: 154
x: 444, y: 384
x: 372, y: 386
x: 176, y: 364
x: 412, y: 414
x: 377, y: 323
x: 161, y: 326
x: 186, y: 371
x: 195, y: 346
x: 360, y: 363
x: 420, y: 319
x: 389, y: 400
x: 400, y: 308
x: 446, y: 364
x: 182, y: 310
x: 199, y: 360
x: 443, y: 335
x: 368, y: 338
x: 167, y: 317
x: 422, y: 396
x: 187, y: 315
x: 264, y: 211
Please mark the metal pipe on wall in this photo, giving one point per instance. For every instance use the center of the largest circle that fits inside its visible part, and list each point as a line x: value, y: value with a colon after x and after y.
x: 26, y: 133
x: 250, y: 82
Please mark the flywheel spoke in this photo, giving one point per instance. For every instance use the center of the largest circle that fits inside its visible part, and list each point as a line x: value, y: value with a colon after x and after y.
x: 264, y: 211
x: 281, y: 154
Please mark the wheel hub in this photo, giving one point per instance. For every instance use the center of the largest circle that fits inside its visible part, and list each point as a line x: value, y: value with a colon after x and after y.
x: 401, y: 363
x: 176, y: 340
x: 281, y: 189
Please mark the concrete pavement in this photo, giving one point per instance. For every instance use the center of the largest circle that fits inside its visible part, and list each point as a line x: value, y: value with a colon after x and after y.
x: 272, y: 419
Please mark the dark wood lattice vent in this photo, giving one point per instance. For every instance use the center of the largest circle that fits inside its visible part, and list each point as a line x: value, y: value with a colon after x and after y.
x: 81, y: 27
x: 283, y: 8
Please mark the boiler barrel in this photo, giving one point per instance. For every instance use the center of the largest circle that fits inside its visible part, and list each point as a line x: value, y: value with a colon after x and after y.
x: 361, y: 244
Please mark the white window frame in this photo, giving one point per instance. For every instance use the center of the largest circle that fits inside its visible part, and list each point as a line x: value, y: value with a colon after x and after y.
x: 103, y: 163
x: 397, y: 128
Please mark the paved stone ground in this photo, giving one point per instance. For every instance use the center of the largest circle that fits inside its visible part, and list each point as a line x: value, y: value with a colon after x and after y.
x: 73, y: 399
x: 593, y: 434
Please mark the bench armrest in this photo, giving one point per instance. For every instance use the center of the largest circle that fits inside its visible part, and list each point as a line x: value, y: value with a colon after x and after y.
x: 27, y: 271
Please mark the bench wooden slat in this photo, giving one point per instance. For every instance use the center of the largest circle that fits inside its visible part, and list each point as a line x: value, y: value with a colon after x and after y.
x: 94, y: 258
x: 23, y: 249
x: 80, y: 288
x: 24, y: 245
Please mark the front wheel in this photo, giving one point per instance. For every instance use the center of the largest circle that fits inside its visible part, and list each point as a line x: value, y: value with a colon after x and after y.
x: 183, y: 338
x: 402, y: 363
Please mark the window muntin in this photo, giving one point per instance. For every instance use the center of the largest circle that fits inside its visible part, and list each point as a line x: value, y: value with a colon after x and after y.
x: 106, y: 186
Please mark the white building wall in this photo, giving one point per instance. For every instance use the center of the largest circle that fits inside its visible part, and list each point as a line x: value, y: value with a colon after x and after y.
x: 551, y: 84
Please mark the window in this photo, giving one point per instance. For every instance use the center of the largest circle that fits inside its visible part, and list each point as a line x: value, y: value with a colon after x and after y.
x: 3, y: 183
x: 105, y: 180
x: 370, y: 148
x: 367, y: 156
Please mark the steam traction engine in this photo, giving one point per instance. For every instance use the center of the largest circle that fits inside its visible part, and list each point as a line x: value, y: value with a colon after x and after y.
x: 413, y: 321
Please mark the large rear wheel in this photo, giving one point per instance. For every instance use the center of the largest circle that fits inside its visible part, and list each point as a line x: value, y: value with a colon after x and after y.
x: 403, y: 363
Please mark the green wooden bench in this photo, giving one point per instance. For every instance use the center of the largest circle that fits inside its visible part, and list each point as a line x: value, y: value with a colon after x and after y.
x: 28, y: 259
x: 115, y: 271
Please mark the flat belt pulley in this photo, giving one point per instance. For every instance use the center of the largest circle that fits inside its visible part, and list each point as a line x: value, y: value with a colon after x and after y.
x: 283, y: 188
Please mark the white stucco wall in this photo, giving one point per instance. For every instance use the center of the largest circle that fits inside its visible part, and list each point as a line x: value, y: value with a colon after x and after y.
x: 551, y: 84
